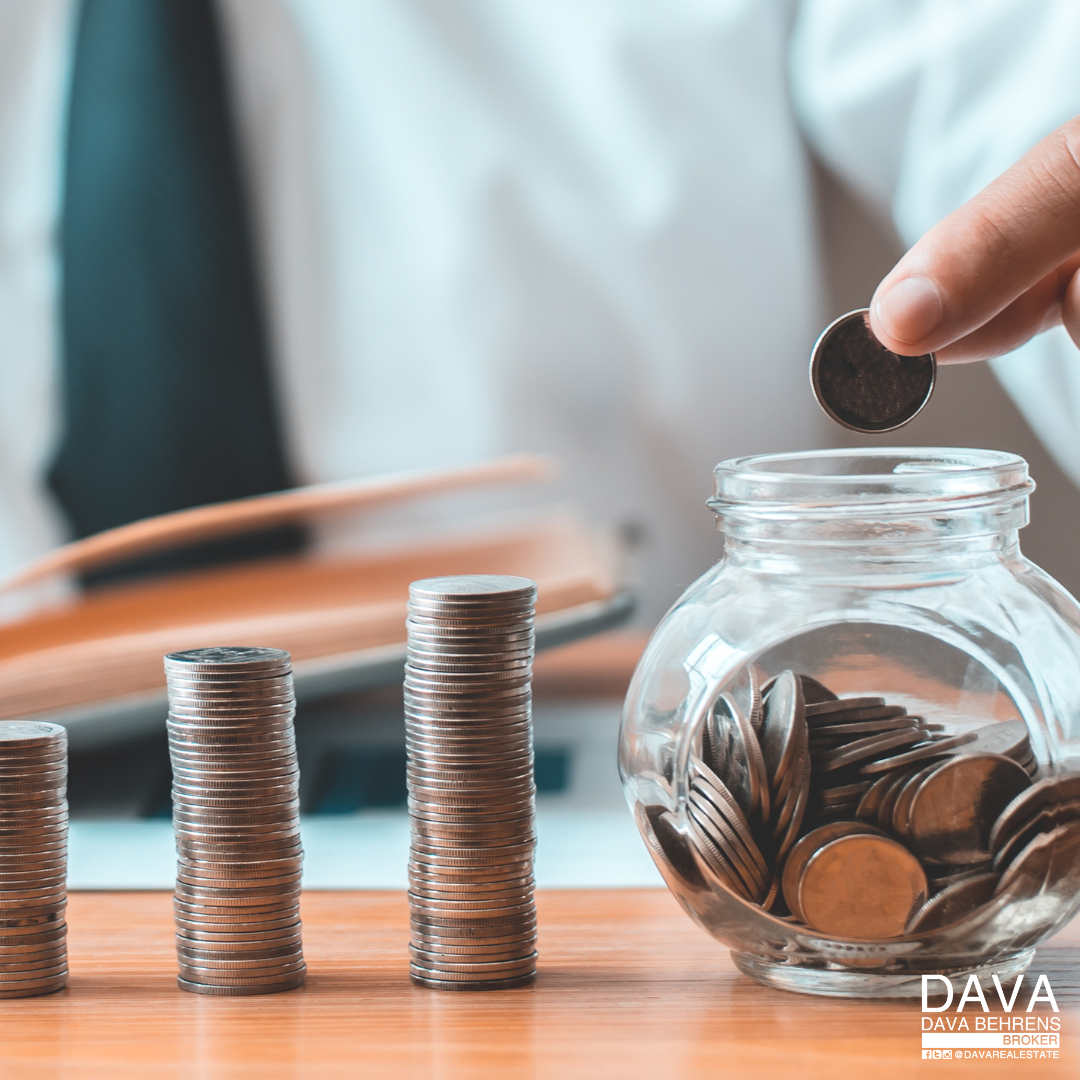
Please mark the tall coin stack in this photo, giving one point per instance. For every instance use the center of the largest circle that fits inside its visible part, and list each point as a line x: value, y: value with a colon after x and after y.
x: 236, y: 819
x: 468, y: 723
x: 33, y: 858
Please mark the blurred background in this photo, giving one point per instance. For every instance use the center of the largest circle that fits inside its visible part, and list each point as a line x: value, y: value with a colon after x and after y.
x: 251, y: 244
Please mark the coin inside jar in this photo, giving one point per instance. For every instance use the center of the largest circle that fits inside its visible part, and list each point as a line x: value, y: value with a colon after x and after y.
x: 954, y: 902
x: 861, y: 886
x: 954, y: 810
x: 861, y: 384
x: 805, y: 850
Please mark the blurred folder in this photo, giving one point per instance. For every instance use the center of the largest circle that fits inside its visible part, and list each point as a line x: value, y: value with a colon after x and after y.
x: 95, y: 663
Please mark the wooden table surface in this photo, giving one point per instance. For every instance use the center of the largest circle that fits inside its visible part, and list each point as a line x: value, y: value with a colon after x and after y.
x: 628, y: 987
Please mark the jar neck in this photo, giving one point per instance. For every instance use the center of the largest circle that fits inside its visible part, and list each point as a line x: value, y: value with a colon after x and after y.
x: 870, y: 555
x: 882, y: 509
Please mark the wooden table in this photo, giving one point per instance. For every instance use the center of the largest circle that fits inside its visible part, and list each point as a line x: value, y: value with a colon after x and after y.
x: 628, y: 988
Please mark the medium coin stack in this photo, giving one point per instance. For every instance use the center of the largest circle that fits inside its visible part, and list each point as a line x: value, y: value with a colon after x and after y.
x: 468, y: 725
x: 33, y: 858
x: 859, y: 819
x: 236, y: 820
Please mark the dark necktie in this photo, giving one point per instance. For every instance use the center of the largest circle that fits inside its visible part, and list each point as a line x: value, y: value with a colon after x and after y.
x: 168, y: 401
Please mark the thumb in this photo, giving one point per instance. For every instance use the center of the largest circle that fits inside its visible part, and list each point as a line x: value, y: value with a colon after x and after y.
x: 973, y: 264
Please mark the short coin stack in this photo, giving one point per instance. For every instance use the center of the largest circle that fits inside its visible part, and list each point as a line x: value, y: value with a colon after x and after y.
x: 33, y: 858
x: 235, y: 815
x: 468, y: 728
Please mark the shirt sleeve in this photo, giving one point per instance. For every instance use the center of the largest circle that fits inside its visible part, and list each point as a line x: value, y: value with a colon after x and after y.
x: 918, y: 105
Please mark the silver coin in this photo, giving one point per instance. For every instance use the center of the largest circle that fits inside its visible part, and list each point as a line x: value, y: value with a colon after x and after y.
x: 736, y: 757
x: 428, y: 948
x: 519, y: 795
x: 467, y: 852
x: 433, y: 983
x: 208, y: 680
x: 795, y: 817
x: 453, y: 878
x: 267, y: 982
x: 190, y: 901
x: 495, y: 714
x: 232, y: 657
x: 208, y: 775
x: 23, y: 733
x: 221, y: 943
x: 462, y: 935
x: 237, y: 968
x: 452, y: 667
x: 490, y: 588
x: 243, y: 951
x: 723, y: 837
x: 239, y: 991
x: 200, y: 916
x: 730, y: 831
x: 238, y: 930
x: 784, y: 735
x: 476, y: 656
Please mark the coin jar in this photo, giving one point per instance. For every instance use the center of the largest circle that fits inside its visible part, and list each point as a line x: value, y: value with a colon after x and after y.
x: 853, y: 746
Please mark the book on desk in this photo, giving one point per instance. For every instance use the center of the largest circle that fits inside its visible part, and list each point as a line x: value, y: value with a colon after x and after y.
x: 93, y: 661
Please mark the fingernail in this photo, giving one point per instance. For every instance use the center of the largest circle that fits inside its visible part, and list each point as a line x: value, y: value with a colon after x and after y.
x: 910, y: 309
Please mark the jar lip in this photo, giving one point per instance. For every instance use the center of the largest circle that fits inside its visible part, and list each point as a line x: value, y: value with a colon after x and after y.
x: 900, y: 478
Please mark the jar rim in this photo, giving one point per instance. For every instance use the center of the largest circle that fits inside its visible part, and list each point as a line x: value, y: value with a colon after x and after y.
x: 870, y: 479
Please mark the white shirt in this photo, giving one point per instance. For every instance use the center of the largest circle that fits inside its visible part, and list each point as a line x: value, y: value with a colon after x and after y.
x: 584, y: 227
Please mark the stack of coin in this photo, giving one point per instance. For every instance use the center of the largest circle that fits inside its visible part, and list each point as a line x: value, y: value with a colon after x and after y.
x: 33, y: 858
x: 236, y: 819
x: 859, y: 819
x: 468, y: 727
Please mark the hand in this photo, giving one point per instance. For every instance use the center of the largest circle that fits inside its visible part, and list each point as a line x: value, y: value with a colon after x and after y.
x: 996, y: 272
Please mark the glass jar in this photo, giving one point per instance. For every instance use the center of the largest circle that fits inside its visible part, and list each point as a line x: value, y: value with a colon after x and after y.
x: 852, y: 746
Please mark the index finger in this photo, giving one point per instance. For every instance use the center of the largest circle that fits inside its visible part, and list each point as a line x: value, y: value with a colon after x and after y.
x: 978, y: 260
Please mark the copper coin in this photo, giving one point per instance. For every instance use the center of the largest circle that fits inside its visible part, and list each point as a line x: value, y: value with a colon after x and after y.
x: 869, y: 748
x: 953, y: 903
x: 1050, y: 862
x: 805, y: 849
x: 955, y: 808
x: 1052, y: 791
x: 932, y: 749
x: 861, y: 886
x: 1044, y: 821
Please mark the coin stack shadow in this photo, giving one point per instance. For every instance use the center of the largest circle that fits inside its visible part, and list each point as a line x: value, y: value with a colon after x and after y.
x: 236, y: 820
x: 468, y: 725
x: 33, y: 858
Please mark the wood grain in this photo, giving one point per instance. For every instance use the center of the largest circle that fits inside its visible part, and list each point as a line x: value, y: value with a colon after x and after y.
x: 628, y: 988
